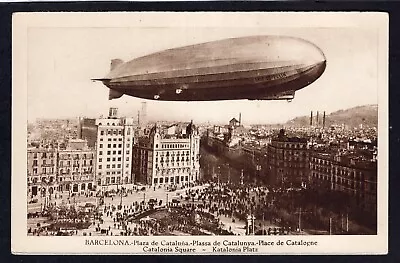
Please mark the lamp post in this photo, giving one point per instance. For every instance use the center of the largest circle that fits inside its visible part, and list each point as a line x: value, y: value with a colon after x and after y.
x: 229, y: 174
x: 120, y: 203
x: 219, y: 173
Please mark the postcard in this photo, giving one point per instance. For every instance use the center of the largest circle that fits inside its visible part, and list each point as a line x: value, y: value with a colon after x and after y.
x: 200, y: 133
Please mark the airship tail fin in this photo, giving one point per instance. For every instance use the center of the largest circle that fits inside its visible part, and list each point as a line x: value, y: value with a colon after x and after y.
x: 114, y: 94
x: 115, y: 63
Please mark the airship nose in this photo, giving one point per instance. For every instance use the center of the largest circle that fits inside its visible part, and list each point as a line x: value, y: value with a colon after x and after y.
x: 313, y: 55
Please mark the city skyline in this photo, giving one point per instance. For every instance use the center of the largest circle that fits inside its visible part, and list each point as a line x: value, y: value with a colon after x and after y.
x: 60, y: 73
x: 151, y: 120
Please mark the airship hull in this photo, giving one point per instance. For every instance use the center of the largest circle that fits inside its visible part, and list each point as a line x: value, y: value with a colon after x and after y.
x: 262, y: 67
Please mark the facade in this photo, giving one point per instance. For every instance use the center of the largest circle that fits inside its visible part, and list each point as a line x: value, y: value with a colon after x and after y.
x: 42, y: 172
x: 76, y: 172
x: 115, y: 137
x: 347, y: 174
x: 163, y: 158
x: 52, y: 171
x: 288, y: 161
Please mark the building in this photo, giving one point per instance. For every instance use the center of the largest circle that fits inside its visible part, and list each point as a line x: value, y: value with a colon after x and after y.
x: 288, y: 160
x: 163, y: 158
x: 115, y: 137
x: 42, y: 172
x: 257, y: 159
x: 52, y: 171
x: 87, y: 130
x: 76, y: 168
x: 234, y: 122
x: 347, y: 173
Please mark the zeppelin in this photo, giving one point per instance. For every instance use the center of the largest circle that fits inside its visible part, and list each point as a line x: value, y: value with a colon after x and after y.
x: 254, y: 68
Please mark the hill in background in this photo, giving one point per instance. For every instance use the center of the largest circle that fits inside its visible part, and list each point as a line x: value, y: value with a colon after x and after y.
x: 366, y: 115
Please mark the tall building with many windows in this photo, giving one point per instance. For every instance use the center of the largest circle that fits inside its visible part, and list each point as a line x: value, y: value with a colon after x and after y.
x: 349, y: 173
x: 76, y: 168
x: 115, y: 137
x: 52, y: 171
x: 288, y: 160
x: 168, y: 156
x: 42, y: 172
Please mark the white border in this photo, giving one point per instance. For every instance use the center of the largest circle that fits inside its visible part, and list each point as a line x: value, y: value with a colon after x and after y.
x: 22, y: 244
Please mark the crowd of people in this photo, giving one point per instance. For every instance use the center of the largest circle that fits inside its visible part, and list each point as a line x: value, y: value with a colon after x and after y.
x: 194, y: 210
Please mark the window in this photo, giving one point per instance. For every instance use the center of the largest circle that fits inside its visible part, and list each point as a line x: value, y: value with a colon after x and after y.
x: 120, y: 145
x: 114, y: 152
x: 114, y: 145
x: 109, y: 145
x: 108, y: 152
x: 108, y: 166
x: 102, y: 133
x: 119, y: 158
x: 101, y: 145
x: 127, y: 145
x: 119, y: 165
x: 107, y: 180
x: 108, y: 159
x: 113, y: 166
x: 119, y: 152
x: 100, y: 153
x: 127, y: 158
x: 127, y: 165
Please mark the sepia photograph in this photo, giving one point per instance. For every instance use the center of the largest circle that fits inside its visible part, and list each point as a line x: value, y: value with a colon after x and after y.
x: 171, y: 132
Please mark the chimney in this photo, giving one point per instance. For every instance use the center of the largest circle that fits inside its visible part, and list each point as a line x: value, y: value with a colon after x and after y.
x: 311, y: 118
x: 317, y: 118
x: 240, y: 118
x: 323, y: 121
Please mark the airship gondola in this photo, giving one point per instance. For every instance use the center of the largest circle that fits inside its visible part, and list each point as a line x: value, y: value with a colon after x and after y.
x: 254, y: 68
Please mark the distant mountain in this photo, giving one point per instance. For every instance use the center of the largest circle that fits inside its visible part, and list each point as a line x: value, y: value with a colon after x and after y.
x: 366, y: 115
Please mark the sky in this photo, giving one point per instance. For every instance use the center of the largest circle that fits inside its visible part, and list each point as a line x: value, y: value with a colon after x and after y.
x: 63, y: 60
